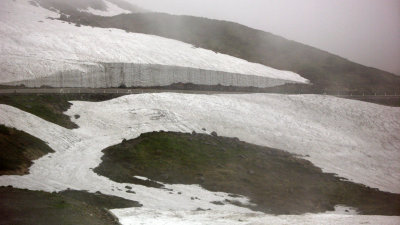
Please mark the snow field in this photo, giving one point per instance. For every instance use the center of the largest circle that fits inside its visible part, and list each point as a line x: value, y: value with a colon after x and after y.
x: 357, y: 140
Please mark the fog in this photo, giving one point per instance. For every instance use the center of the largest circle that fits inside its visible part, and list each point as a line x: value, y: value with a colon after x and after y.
x: 364, y: 31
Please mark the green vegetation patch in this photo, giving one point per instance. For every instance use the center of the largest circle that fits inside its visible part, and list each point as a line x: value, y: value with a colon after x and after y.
x: 71, y: 207
x: 18, y: 149
x: 278, y: 182
x: 99, y: 200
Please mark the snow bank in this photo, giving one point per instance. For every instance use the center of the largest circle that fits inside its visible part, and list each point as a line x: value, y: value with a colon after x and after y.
x: 146, y: 75
x: 34, y: 46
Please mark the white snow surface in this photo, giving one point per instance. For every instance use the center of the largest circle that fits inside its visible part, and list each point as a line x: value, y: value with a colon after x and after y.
x: 339, y: 216
x: 159, y: 217
x: 32, y: 46
x: 356, y: 140
x: 75, y: 156
x: 112, y: 10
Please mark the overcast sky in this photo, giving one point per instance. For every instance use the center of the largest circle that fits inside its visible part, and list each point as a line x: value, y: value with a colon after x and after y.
x: 364, y: 31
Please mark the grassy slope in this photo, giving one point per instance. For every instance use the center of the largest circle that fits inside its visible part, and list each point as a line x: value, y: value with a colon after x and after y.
x: 48, y: 107
x: 70, y: 207
x: 51, y: 107
x: 275, y: 180
x: 325, y: 70
x: 17, y: 150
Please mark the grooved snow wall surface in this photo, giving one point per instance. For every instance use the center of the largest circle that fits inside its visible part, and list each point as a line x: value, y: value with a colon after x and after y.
x: 147, y: 75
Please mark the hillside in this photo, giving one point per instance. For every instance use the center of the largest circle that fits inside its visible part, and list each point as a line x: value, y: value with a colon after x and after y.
x: 355, y: 140
x: 325, y: 70
x: 228, y: 165
x: 18, y: 150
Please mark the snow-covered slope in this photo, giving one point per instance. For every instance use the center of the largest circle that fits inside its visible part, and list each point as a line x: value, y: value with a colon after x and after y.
x: 160, y: 217
x: 33, y: 46
x: 356, y: 140
x: 77, y: 154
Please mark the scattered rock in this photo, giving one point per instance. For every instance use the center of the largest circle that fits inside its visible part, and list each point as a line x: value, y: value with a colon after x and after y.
x: 131, y: 192
x: 128, y: 187
x: 217, y: 203
x: 77, y: 116
x: 214, y: 134
x: 234, y: 195
x: 204, y: 129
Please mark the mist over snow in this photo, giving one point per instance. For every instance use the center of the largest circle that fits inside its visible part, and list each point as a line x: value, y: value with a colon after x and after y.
x: 363, y: 31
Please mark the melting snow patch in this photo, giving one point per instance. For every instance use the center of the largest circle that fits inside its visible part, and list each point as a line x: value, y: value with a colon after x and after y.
x: 112, y: 10
x: 141, y: 178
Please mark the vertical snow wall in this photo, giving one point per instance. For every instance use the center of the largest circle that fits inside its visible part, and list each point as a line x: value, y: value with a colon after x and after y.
x: 146, y: 75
